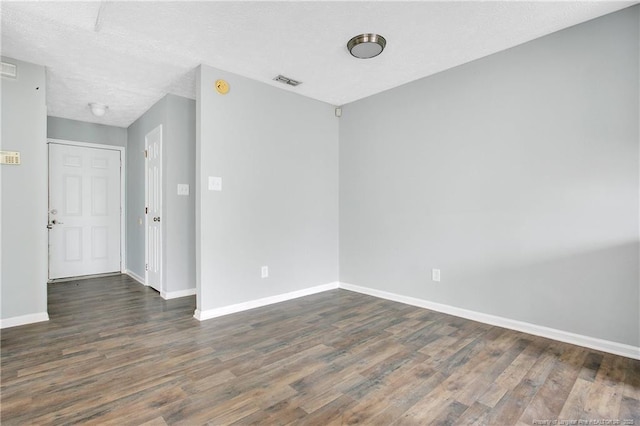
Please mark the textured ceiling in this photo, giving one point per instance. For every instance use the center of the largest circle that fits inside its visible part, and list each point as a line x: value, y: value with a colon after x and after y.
x: 143, y: 50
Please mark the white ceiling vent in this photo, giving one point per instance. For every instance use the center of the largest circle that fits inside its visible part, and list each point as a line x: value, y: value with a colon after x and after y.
x: 287, y: 80
x: 9, y: 70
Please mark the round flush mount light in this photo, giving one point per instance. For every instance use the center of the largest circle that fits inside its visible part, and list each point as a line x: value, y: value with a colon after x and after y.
x: 98, y: 109
x: 365, y: 46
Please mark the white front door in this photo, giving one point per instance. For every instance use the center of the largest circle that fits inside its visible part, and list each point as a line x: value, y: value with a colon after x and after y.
x: 84, y: 211
x: 153, y: 154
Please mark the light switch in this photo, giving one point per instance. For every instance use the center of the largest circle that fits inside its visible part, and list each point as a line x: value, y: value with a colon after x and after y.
x: 215, y: 183
x: 183, y: 189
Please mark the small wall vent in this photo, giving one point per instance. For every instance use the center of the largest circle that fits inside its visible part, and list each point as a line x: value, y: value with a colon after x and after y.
x: 287, y: 80
x: 9, y: 70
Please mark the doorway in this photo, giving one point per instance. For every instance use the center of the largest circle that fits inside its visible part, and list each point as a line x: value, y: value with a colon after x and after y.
x: 153, y: 209
x: 85, y: 209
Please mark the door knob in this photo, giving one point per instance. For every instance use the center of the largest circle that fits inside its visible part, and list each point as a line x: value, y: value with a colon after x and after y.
x: 53, y: 222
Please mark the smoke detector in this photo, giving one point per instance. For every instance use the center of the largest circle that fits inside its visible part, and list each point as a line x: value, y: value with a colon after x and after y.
x: 98, y: 109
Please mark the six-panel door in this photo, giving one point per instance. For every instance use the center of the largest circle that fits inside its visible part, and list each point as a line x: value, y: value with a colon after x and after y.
x: 84, y: 211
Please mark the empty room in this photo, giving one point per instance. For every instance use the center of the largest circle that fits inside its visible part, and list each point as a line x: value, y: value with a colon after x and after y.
x: 320, y: 212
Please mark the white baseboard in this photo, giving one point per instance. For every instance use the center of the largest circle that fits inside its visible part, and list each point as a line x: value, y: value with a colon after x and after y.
x: 244, y: 306
x: 537, y: 330
x: 135, y: 277
x: 166, y: 295
x: 24, y: 319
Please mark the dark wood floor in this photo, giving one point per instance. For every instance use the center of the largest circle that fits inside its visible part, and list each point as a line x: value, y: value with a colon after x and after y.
x: 114, y: 352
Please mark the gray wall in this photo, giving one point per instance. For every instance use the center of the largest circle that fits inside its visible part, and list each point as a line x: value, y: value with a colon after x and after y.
x: 177, y: 116
x: 135, y: 185
x: 24, y: 193
x: 80, y: 131
x: 277, y: 153
x: 179, y: 167
x: 516, y: 175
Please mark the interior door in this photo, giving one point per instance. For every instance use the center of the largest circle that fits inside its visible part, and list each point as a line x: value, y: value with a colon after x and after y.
x: 153, y: 167
x: 84, y: 211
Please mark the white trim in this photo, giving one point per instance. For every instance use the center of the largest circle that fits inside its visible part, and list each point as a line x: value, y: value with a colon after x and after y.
x: 123, y: 187
x: 525, y: 327
x: 244, y: 306
x: 86, y: 144
x: 166, y: 295
x: 24, y: 319
x: 83, y: 277
x: 135, y: 277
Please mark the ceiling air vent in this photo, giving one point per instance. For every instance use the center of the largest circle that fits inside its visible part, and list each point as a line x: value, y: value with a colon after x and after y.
x: 287, y: 80
x: 9, y: 70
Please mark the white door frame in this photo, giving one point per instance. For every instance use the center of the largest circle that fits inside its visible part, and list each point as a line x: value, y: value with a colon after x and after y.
x: 123, y: 245
x: 159, y: 128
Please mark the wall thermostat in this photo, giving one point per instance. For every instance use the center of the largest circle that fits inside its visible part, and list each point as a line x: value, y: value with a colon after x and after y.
x: 9, y: 157
x: 222, y: 87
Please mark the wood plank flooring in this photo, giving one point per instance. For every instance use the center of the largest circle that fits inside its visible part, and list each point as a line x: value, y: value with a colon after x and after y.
x: 114, y: 352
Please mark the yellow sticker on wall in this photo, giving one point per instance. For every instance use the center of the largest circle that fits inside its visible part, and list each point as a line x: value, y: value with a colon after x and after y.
x: 222, y: 87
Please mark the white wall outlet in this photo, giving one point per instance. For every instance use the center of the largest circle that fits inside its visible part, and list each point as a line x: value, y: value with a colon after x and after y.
x: 264, y: 272
x: 183, y: 189
x: 215, y: 183
x: 435, y: 275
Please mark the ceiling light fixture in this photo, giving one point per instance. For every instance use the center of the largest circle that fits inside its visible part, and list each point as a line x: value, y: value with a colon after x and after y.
x: 365, y: 46
x: 98, y: 109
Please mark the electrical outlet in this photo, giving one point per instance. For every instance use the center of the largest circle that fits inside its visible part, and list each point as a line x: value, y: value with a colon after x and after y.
x: 264, y: 272
x: 435, y: 275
